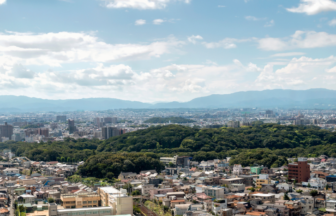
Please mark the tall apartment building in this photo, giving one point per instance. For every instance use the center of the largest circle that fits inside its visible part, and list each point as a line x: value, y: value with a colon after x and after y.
x: 61, y: 118
x: 96, y: 121
x: 108, y: 132
x: 81, y: 200
x: 43, y: 132
x: 6, y: 130
x: 110, y: 120
x: 299, y: 171
x: 117, y: 199
x: 71, y: 125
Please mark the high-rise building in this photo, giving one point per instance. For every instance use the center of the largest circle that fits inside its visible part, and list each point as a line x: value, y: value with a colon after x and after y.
x: 43, y: 132
x: 110, y: 120
x: 108, y: 132
x: 61, y: 118
x: 299, y: 171
x: 96, y: 121
x: 6, y: 130
x: 269, y: 114
x: 71, y: 125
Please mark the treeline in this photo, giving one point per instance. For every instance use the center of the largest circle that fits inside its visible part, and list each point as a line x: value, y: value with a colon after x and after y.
x: 262, y: 144
x: 108, y: 165
x: 174, y: 120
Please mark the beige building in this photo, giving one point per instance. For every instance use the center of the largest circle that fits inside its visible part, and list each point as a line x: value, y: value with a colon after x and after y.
x: 264, y: 197
x: 120, y: 202
x: 99, y: 211
x: 81, y: 200
x: 260, y: 182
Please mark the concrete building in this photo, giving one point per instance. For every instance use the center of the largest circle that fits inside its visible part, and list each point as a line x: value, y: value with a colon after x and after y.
x: 108, y: 132
x: 99, y: 211
x: 218, y: 205
x: 61, y: 118
x: 183, y: 161
x: 233, y: 124
x: 263, y: 179
x: 117, y: 199
x: 71, y: 126
x: 11, y: 171
x: 6, y: 130
x: 43, y: 132
x: 215, y: 192
x: 264, y: 197
x: 81, y: 200
x: 237, y: 169
x: 299, y: 171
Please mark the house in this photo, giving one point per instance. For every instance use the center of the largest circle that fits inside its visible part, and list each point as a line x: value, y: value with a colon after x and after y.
x: 11, y: 171
x: 127, y: 175
x: 218, y: 205
x: 264, y: 197
x: 181, y: 209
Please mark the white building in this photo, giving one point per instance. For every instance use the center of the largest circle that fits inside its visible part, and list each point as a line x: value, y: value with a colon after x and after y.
x: 237, y: 169
x: 9, y: 171
x: 215, y: 192
x: 218, y: 205
x: 97, y: 211
x: 317, y: 183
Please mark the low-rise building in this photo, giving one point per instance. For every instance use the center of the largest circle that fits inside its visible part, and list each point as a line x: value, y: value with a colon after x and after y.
x: 80, y: 200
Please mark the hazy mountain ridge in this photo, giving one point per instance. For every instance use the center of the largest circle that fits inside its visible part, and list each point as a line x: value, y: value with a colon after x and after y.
x: 312, y: 98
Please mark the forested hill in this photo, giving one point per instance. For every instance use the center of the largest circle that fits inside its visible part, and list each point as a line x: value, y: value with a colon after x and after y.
x: 173, y: 120
x: 267, y: 144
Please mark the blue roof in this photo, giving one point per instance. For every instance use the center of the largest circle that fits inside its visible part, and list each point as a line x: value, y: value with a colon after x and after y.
x: 331, y: 176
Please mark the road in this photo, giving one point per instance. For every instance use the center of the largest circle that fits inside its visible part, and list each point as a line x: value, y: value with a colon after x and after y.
x: 11, y: 206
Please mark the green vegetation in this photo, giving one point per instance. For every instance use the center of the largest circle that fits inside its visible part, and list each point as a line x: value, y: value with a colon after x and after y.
x: 173, y: 120
x: 157, y: 209
x: 262, y: 144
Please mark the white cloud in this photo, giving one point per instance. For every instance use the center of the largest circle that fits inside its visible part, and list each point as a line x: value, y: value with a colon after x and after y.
x: 331, y: 70
x: 288, y: 54
x: 158, y: 21
x: 270, y: 23
x: 55, y: 49
x: 227, y: 43
x: 194, y: 38
x: 221, y: 6
x: 312, y: 7
x: 140, y: 22
x: 252, y: 18
x: 299, y: 73
x: 332, y: 22
x: 140, y: 4
x: 2, y: 2
x: 300, y: 39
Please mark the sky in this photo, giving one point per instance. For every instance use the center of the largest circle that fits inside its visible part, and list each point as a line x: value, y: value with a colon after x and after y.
x: 164, y: 50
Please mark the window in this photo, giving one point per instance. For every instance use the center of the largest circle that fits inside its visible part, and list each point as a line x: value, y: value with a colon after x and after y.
x: 84, y: 202
x: 95, y: 201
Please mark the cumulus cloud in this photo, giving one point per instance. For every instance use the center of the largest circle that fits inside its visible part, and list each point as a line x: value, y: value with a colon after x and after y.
x: 300, y: 39
x: 288, y: 54
x: 158, y: 21
x: 227, y: 43
x: 312, y: 7
x: 140, y: 22
x: 55, y: 49
x: 2, y: 2
x: 194, y: 38
x: 140, y: 4
x: 332, y: 22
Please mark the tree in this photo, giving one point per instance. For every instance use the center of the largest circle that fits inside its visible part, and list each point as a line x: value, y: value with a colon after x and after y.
x: 327, y: 187
x: 51, y: 200
x: 309, y: 185
x: 299, y: 191
x: 313, y: 193
x: 286, y: 197
x: 136, y: 193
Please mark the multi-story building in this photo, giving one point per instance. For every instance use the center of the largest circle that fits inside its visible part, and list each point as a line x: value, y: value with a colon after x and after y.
x: 215, y: 192
x: 117, y: 199
x: 263, y: 179
x: 299, y: 171
x: 99, y: 211
x: 43, y: 132
x: 237, y: 169
x: 108, y: 132
x: 183, y: 161
x: 6, y: 130
x: 71, y: 125
x: 81, y: 200
x: 233, y: 124
x: 218, y: 205
x: 61, y: 118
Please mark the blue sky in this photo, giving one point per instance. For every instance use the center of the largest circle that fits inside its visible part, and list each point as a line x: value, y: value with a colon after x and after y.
x: 164, y: 50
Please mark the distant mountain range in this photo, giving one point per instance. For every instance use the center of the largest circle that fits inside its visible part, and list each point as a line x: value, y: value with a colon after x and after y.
x: 312, y: 98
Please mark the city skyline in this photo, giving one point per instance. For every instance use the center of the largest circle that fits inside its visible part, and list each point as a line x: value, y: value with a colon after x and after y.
x: 164, y: 50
